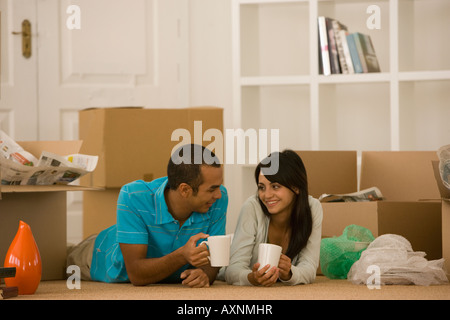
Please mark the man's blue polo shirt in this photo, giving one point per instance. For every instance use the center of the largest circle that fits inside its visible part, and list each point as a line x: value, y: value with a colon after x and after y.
x: 143, y: 218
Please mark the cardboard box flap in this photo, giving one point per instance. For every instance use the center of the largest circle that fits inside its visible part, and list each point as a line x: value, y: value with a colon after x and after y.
x: 330, y: 171
x: 204, y: 108
x: 59, y: 147
x: 52, y: 188
x: 400, y: 175
x: 444, y: 191
x: 110, y: 108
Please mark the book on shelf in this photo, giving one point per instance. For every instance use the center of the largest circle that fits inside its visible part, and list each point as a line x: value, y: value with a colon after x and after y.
x: 324, y: 56
x: 354, y: 54
x: 320, y: 57
x: 341, y: 52
x: 332, y: 48
x: 367, y: 54
x: 345, y: 59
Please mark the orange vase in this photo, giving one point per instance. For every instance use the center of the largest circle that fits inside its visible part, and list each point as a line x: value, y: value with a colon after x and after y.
x: 23, y: 254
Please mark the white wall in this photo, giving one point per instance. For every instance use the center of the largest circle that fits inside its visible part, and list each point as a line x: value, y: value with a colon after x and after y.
x: 210, y: 73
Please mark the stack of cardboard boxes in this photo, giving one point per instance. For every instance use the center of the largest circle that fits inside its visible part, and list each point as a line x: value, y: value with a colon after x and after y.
x: 43, y: 208
x: 412, y: 206
x: 133, y: 144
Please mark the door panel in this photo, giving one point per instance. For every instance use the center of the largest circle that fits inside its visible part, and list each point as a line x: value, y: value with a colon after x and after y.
x: 122, y: 55
x: 18, y: 97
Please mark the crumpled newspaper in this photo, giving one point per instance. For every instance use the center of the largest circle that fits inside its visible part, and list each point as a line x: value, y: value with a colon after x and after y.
x: 444, y: 164
x: 11, y: 150
x: 397, y: 263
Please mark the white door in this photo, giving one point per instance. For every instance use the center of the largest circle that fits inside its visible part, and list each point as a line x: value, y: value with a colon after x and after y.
x: 121, y: 53
x: 90, y: 53
x: 18, y: 95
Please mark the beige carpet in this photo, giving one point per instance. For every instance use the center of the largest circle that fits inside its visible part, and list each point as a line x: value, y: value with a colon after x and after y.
x: 322, y: 289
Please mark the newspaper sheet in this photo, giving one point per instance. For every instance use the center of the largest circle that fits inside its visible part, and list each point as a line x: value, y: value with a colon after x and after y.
x: 50, y: 169
x: 11, y: 150
x: 370, y: 194
x: 18, y: 167
x: 444, y: 165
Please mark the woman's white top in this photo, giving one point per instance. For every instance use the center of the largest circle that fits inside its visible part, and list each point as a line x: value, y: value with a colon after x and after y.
x: 251, y: 230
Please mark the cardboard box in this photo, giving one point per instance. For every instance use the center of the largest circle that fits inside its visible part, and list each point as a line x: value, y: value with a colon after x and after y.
x: 99, y: 210
x: 407, y: 183
x: 321, y: 165
x: 44, y: 208
x: 135, y: 143
x: 445, y: 195
x: 330, y: 171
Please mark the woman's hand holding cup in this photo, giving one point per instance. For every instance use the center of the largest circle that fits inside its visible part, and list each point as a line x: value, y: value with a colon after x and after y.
x: 266, y: 276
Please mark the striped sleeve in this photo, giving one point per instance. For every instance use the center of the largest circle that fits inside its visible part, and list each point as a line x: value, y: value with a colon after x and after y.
x: 131, y: 228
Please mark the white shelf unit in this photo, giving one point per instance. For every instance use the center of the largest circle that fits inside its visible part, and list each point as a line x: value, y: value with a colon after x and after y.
x: 276, y: 84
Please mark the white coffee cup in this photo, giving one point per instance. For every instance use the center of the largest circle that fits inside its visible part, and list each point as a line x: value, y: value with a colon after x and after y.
x: 219, y: 250
x: 268, y: 254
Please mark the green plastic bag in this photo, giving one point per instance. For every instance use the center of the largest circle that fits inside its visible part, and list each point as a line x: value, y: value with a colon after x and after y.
x: 338, y: 254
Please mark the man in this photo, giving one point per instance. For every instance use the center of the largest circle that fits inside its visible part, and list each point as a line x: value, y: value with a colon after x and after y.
x: 159, y: 224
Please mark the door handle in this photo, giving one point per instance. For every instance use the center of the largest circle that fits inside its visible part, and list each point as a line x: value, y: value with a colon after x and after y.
x: 26, y: 38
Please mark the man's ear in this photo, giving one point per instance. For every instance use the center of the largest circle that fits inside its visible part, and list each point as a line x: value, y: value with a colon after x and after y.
x: 185, y: 190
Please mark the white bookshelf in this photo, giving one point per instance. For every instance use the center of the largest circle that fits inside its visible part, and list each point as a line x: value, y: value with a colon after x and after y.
x: 276, y: 84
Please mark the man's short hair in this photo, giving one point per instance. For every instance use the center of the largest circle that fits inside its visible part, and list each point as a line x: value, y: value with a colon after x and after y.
x: 185, y: 165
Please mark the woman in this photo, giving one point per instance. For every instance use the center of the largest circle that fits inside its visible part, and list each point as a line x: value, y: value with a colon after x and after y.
x: 282, y: 213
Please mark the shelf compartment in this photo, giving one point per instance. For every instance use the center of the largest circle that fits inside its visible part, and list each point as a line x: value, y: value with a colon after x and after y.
x: 355, y: 116
x: 423, y: 27
x: 353, y: 15
x: 285, y: 108
x: 424, y: 114
x: 274, y: 39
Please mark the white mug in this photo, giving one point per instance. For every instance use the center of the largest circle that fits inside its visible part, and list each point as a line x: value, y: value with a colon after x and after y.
x: 268, y: 254
x: 219, y: 250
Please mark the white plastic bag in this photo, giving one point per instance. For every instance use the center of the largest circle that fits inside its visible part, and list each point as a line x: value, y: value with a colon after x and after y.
x: 397, y: 263
x: 444, y: 164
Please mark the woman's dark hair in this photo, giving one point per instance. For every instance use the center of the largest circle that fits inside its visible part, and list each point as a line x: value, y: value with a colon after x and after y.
x: 185, y: 166
x: 291, y: 174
